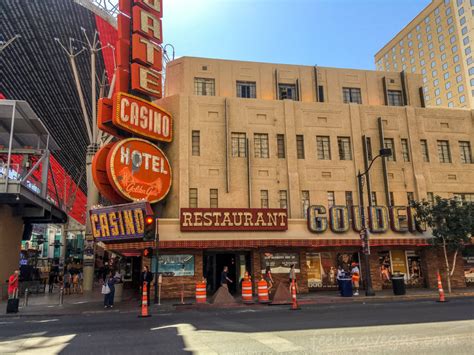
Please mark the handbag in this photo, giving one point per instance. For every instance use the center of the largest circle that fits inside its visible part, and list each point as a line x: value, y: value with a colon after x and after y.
x: 105, y: 289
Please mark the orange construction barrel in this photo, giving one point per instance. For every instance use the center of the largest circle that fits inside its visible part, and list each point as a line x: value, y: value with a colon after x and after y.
x: 201, y: 292
x: 247, y: 291
x: 263, y: 291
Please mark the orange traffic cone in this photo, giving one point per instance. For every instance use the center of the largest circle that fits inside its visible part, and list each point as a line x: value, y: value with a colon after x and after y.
x: 144, y: 313
x: 294, y: 305
x: 440, y: 289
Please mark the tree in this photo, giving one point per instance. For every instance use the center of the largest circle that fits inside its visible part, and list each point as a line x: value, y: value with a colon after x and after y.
x: 452, y: 225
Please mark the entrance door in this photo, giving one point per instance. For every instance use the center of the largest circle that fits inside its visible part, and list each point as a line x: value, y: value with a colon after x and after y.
x: 214, y: 263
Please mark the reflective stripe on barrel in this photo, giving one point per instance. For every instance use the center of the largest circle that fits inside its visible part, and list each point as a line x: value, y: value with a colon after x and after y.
x: 201, y: 292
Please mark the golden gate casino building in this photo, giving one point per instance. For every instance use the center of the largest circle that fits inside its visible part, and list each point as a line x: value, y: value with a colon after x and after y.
x: 265, y: 158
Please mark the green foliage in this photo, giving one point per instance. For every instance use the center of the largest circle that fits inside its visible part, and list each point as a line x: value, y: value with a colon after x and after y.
x: 451, y: 221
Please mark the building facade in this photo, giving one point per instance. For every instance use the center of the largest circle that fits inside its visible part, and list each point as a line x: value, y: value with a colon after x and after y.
x: 256, y: 137
x: 437, y: 44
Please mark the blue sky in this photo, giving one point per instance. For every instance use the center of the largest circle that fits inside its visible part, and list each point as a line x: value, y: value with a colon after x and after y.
x: 335, y: 33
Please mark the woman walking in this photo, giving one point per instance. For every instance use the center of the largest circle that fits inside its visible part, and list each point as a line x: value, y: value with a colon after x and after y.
x: 108, y: 290
x: 269, y: 278
x: 292, y: 277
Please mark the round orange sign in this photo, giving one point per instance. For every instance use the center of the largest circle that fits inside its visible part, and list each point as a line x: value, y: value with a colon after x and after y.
x: 139, y: 170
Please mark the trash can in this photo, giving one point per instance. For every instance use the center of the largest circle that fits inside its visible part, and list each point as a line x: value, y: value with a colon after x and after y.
x: 118, y: 292
x: 346, y: 286
x: 398, y: 283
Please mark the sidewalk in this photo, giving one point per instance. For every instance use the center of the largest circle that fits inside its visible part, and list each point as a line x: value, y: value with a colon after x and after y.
x: 92, y: 302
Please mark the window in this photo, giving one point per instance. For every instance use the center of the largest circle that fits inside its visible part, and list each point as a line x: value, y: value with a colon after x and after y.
x: 300, y: 146
x: 465, y: 149
x: 344, y: 146
x: 246, y: 89
x: 283, y: 199
x: 392, y: 199
x: 410, y: 197
x: 214, y: 198
x: 287, y: 91
x: 196, y: 143
x: 264, y: 198
x: 349, y: 199
x: 331, y: 199
x: 281, y: 146
x: 193, y: 198
x: 395, y: 98
x: 389, y: 143
x: 321, y: 93
x: 430, y: 197
x: 304, y: 203
x: 239, y: 144
x: 369, y: 148
x: 465, y: 197
x: 204, y: 87
x: 424, y: 150
x: 352, y: 95
x: 261, y: 145
x: 373, y: 198
x: 443, y: 152
x: 323, y: 147
x: 405, y: 150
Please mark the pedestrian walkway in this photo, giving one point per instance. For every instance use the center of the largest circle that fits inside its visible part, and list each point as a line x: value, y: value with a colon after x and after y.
x: 92, y: 302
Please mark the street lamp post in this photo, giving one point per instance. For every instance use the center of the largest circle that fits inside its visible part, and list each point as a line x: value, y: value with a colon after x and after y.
x: 364, y: 236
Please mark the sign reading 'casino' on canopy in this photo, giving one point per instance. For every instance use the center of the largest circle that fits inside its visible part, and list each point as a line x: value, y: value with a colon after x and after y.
x: 135, y: 169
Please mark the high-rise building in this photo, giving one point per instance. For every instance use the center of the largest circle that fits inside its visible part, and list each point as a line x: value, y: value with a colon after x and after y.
x: 437, y: 43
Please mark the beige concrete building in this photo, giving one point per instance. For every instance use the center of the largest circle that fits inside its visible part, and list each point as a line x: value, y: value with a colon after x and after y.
x: 437, y: 43
x: 256, y: 135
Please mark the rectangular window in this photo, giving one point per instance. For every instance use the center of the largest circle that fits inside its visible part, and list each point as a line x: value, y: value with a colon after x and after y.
x: 323, y: 148
x: 410, y: 198
x: 321, y: 93
x: 444, y: 152
x: 395, y: 98
x: 287, y: 91
x: 300, y: 146
x: 389, y: 143
x: 261, y: 145
x: 392, y: 199
x: 239, y: 144
x: 430, y: 197
x: 304, y: 203
x: 193, y: 198
x: 373, y: 198
x: 465, y: 149
x: 405, y: 150
x: 264, y: 198
x: 424, y: 150
x: 214, y: 198
x: 283, y: 198
x: 369, y: 148
x: 281, y: 146
x: 344, y: 147
x: 349, y: 199
x: 464, y: 197
x: 196, y: 143
x: 204, y: 87
x: 352, y: 95
x: 331, y: 199
x: 246, y: 89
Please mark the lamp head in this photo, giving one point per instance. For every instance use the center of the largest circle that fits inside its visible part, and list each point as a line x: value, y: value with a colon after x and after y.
x: 385, y: 152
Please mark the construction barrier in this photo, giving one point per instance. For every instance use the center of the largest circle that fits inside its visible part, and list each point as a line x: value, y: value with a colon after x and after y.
x: 144, y: 312
x: 263, y: 291
x: 247, y: 296
x: 440, y: 289
x: 201, y: 292
x: 294, y: 305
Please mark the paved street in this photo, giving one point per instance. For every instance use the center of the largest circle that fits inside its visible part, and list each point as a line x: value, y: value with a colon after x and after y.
x: 393, y: 327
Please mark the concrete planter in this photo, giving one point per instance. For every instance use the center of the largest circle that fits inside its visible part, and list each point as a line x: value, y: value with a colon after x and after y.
x: 118, y: 292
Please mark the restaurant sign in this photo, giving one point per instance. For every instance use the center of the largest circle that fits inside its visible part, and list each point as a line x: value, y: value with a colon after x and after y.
x: 120, y: 223
x: 233, y: 219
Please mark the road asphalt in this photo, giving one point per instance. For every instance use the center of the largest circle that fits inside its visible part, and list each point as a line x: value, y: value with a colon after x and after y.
x: 421, y: 326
